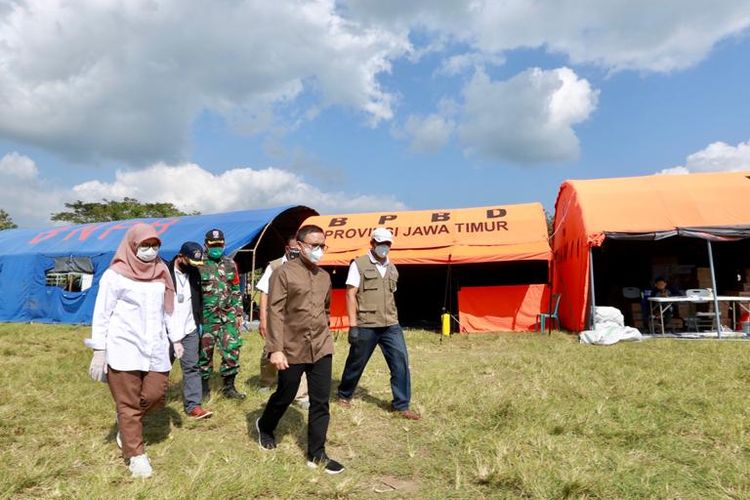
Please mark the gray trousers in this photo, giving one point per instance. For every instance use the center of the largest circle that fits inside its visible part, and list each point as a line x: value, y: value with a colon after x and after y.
x: 191, y: 377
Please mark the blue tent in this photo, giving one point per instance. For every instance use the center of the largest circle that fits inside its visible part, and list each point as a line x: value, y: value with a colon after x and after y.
x: 28, y: 255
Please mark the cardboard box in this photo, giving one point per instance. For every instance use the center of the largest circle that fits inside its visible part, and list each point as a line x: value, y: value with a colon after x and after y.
x: 683, y: 310
x: 703, y: 273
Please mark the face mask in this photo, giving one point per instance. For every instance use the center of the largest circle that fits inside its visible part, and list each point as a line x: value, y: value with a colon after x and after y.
x: 185, y: 265
x: 382, y: 251
x: 292, y: 254
x: 315, y: 255
x: 147, y: 254
x: 215, y: 252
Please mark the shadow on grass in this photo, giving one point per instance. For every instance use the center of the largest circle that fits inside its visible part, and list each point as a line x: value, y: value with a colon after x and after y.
x: 361, y: 393
x: 156, y: 425
x: 292, y: 423
x: 253, y: 381
x: 365, y: 396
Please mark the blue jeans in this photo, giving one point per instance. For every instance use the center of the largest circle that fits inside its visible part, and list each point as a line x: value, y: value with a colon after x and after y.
x: 191, y: 377
x: 391, y: 342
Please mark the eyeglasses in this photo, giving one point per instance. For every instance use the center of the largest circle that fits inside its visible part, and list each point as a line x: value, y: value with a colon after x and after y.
x: 322, y: 246
x: 155, y: 246
x: 215, y: 244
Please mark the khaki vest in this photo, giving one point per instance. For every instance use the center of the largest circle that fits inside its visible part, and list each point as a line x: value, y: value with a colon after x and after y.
x: 376, y: 305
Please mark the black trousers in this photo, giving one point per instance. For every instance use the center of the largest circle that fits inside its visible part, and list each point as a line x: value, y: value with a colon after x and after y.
x: 319, y: 389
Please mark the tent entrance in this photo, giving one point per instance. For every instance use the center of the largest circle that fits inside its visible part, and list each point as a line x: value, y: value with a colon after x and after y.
x: 422, y: 288
x: 682, y: 261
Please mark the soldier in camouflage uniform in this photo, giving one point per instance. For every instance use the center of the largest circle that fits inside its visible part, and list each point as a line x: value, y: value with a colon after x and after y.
x: 222, y: 316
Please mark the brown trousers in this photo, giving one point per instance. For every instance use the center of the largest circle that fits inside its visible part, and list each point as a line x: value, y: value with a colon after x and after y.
x: 135, y: 393
x: 268, y: 374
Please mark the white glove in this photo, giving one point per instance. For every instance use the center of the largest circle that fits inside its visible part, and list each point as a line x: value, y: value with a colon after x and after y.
x: 98, y: 366
x: 179, y: 350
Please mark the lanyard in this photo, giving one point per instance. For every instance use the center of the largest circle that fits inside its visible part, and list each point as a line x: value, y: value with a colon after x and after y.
x: 183, y: 282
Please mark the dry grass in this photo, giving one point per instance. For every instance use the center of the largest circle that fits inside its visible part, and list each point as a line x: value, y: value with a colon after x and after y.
x: 505, y: 416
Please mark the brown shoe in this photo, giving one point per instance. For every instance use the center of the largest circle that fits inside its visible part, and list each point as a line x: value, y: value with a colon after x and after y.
x: 199, y: 413
x: 346, y: 403
x: 410, y: 415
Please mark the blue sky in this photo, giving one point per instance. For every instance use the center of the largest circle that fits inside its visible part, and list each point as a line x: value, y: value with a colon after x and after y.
x: 362, y: 105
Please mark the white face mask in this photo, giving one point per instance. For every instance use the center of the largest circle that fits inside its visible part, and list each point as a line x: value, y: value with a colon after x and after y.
x: 147, y: 254
x: 382, y: 251
x: 315, y: 255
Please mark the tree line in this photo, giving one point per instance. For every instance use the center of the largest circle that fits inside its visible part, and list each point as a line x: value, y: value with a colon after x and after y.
x: 80, y: 212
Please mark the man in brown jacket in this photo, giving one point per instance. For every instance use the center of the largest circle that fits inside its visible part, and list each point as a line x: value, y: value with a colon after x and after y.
x: 299, y: 341
x: 267, y: 370
x: 373, y: 320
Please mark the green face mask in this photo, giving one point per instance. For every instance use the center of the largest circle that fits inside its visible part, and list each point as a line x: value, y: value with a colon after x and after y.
x: 215, y: 252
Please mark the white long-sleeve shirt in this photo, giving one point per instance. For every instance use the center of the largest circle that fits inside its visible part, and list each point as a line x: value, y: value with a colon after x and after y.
x: 130, y: 324
x: 182, y: 321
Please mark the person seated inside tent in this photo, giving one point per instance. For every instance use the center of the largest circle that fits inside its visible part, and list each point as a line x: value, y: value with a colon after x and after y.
x: 663, y: 289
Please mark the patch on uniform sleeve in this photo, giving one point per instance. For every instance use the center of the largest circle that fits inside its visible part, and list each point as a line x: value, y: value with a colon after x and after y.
x: 236, y: 279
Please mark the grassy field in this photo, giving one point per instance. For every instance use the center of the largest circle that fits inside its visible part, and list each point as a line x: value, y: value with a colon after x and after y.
x: 504, y: 416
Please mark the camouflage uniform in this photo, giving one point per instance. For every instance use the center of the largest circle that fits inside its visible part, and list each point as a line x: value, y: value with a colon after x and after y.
x: 222, y: 305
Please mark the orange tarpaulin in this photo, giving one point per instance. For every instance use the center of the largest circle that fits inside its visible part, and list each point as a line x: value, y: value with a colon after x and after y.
x: 587, y: 211
x: 501, y: 308
x: 339, y: 319
x: 457, y: 236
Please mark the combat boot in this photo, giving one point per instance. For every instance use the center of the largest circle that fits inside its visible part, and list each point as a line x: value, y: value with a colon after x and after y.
x: 229, y: 390
x: 205, y: 389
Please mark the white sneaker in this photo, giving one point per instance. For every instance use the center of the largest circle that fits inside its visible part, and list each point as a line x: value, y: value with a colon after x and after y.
x: 140, y: 466
x: 118, y: 437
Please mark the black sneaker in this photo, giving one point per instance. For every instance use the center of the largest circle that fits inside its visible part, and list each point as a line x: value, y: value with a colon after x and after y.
x: 330, y: 466
x: 265, y: 439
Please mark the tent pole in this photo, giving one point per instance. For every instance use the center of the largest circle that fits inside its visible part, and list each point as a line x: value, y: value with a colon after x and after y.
x: 252, y: 267
x: 593, y: 290
x: 717, y: 312
x: 551, y: 274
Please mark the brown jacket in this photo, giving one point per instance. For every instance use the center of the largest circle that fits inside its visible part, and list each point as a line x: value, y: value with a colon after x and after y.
x: 299, y: 301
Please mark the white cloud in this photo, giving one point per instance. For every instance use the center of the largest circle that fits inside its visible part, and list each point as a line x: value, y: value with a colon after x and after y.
x: 26, y: 197
x: 716, y: 157
x: 31, y: 199
x: 457, y: 64
x: 619, y: 34
x: 526, y: 119
x: 191, y: 187
x: 430, y: 133
x: 124, y: 80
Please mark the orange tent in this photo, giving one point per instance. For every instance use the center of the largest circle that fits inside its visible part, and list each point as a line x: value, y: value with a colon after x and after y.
x: 461, y: 237
x: 587, y: 212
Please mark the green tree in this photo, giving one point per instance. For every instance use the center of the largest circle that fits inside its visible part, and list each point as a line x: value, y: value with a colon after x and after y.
x: 5, y: 221
x: 550, y: 222
x: 109, y: 210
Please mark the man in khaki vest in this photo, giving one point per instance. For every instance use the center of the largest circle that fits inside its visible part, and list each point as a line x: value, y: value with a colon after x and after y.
x: 373, y: 320
x: 268, y: 372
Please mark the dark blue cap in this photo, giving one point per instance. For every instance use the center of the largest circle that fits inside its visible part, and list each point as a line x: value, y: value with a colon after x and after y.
x: 193, y: 251
x: 214, y: 235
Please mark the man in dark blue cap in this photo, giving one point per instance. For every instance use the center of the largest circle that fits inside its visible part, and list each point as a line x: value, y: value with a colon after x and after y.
x: 183, y: 328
